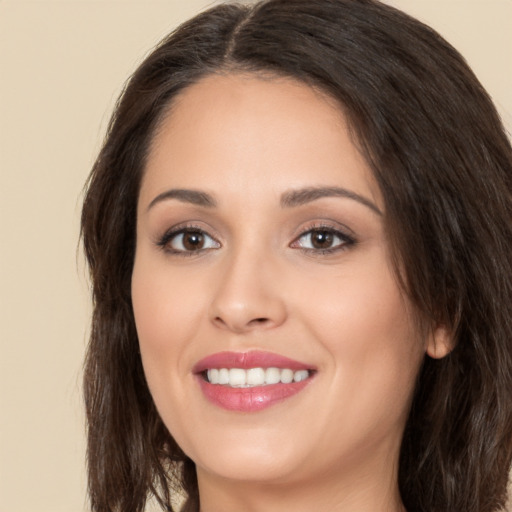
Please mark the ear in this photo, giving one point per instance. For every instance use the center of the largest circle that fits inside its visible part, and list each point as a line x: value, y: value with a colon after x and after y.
x: 440, y: 342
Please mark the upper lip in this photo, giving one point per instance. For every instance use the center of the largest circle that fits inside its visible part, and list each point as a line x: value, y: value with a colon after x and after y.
x: 246, y: 360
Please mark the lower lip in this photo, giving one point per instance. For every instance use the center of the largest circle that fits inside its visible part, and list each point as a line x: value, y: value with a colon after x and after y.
x: 249, y: 399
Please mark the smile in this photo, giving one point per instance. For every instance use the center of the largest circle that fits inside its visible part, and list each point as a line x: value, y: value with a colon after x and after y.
x: 250, y: 381
x: 240, y: 378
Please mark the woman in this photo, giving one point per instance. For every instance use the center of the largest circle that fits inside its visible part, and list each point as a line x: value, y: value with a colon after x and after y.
x: 299, y: 236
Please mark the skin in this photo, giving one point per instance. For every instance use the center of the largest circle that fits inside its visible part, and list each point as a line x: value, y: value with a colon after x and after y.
x: 258, y: 283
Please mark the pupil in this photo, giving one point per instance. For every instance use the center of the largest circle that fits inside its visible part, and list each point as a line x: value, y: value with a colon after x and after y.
x: 322, y: 239
x: 193, y: 241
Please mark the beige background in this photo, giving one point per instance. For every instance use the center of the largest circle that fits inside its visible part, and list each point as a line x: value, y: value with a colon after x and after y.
x: 62, y: 63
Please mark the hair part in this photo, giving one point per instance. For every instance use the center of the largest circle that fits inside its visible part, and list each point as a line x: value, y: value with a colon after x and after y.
x: 443, y: 163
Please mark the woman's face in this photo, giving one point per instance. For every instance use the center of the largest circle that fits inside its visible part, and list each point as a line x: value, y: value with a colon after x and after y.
x: 262, y: 259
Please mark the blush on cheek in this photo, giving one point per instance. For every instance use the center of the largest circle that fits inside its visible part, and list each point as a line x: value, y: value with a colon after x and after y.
x: 365, y: 323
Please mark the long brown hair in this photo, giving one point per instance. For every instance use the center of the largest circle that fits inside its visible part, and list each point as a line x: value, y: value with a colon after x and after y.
x: 444, y: 167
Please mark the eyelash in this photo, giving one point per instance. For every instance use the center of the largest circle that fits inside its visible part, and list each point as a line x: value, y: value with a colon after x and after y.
x: 170, y: 235
x: 346, y: 239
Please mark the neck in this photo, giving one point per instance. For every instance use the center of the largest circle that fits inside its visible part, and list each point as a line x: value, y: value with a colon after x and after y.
x: 361, y: 489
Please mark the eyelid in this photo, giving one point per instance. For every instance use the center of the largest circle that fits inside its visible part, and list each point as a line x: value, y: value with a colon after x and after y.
x: 337, y: 229
x: 341, y: 231
x: 170, y: 234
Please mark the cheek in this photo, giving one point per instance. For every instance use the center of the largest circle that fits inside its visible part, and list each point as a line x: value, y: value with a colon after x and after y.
x: 365, y: 324
x: 165, y: 311
x: 166, y: 308
x: 363, y: 303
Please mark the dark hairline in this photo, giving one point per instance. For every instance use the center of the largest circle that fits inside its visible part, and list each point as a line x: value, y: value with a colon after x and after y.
x: 442, y: 395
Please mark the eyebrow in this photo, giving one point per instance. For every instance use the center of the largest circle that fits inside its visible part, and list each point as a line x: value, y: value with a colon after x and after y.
x: 289, y: 199
x: 302, y: 196
x: 186, y: 196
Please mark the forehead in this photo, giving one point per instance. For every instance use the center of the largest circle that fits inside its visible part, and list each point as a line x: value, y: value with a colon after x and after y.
x: 245, y: 131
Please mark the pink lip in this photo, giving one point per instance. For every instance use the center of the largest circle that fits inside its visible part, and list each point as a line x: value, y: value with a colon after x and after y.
x: 249, y: 399
x: 246, y: 360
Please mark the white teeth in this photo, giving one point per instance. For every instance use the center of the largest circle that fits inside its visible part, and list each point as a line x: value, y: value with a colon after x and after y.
x: 272, y: 375
x: 223, y: 376
x: 300, y: 375
x: 286, y: 376
x: 240, y: 378
x: 237, y: 377
x: 213, y: 376
x: 256, y: 376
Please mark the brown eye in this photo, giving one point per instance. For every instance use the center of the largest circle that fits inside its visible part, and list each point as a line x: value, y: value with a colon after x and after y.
x: 193, y: 241
x: 188, y: 240
x: 321, y: 239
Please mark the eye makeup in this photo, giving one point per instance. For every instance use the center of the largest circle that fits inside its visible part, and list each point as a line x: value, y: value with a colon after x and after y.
x: 317, y: 238
x: 187, y: 240
x: 324, y: 239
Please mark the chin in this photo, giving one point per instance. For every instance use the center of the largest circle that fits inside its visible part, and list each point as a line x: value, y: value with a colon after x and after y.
x: 257, y: 457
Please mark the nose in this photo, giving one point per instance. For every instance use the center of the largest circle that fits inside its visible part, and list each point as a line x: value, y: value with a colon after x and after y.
x: 248, y: 296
